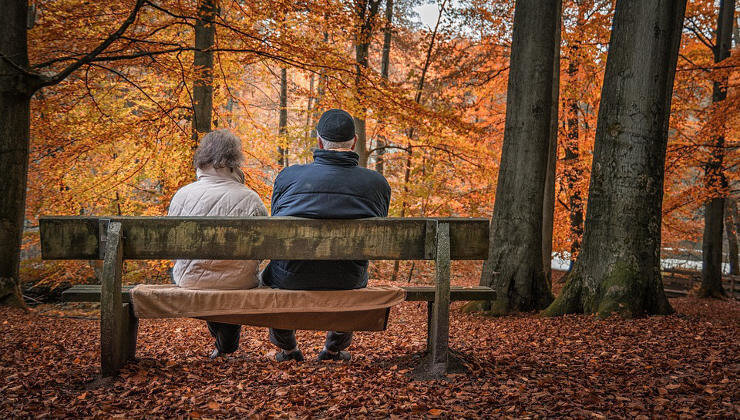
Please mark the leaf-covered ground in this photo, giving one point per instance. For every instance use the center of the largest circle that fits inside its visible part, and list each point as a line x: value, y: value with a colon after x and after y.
x: 683, y: 365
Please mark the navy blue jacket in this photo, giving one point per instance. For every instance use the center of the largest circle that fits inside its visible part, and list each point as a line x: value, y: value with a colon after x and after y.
x: 332, y: 187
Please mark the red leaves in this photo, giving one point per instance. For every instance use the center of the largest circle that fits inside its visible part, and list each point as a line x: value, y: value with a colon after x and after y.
x: 519, y: 366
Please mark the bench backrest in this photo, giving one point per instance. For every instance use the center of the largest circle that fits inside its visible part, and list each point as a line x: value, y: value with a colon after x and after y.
x: 73, y: 237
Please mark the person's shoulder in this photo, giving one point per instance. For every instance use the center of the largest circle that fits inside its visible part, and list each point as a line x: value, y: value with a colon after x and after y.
x: 373, y: 176
x: 184, y: 191
x: 292, y: 171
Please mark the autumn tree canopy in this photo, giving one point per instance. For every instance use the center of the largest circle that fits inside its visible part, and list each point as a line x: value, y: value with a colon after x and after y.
x: 108, y: 93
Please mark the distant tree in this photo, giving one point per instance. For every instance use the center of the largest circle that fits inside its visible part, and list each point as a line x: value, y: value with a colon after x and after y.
x: 205, y: 34
x: 385, y: 64
x: 618, y: 269
x: 283, y: 117
x: 715, y: 180
x: 514, y: 267
x: 366, y: 13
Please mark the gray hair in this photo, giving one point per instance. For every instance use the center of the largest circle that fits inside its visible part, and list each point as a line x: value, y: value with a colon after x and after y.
x: 221, y: 149
x: 336, y: 144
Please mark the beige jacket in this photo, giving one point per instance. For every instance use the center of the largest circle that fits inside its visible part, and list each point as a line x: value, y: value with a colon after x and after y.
x: 217, y: 192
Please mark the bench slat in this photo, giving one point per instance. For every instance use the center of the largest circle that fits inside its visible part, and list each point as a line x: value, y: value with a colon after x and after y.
x: 73, y: 237
x: 91, y: 293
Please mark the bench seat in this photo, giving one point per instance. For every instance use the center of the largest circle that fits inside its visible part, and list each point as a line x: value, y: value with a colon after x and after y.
x: 91, y: 293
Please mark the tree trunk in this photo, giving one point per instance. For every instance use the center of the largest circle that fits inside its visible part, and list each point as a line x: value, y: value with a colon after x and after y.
x: 514, y: 265
x: 283, y: 119
x: 367, y: 11
x: 385, y: 62
x: 548, y: 209
x: 731, y: 232
x: 618, y: 269
x: 15, y: 100
x: 320, y: 90
x: 205, y: 32
x: 715, y: 180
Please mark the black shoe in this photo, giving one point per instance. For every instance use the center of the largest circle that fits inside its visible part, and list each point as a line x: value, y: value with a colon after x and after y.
x: 215, y: 354
x: 283, y: 356
x: 340, y: 356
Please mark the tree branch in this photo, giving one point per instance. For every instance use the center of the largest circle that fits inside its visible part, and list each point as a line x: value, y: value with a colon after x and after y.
x: 89, y: 57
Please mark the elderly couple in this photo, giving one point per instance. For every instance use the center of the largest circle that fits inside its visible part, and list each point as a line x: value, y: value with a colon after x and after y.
x: 332, y: 187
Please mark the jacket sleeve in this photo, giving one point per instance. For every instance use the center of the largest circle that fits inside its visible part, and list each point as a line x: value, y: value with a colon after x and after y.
x: 259, y: 209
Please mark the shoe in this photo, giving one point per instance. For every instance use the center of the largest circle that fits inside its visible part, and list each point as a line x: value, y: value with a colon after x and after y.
x: 215, y: 354
x: 283, y: 356
x: 340, y: 356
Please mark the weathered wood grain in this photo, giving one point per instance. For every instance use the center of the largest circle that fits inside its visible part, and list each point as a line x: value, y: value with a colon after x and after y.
x: 440, y: 328
x: 112, y: 346
x: 74, y: 237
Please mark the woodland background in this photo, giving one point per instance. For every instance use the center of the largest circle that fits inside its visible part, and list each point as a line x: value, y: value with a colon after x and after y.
x: 117, y: 136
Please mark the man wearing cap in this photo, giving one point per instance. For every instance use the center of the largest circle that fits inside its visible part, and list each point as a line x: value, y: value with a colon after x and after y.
x: 332, y: 187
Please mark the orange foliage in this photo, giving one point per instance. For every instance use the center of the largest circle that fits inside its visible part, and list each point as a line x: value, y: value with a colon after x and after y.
x: 115, y: 137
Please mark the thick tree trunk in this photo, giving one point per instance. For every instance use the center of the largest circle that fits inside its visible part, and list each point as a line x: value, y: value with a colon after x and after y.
x: 283, y: 119
x: 385, y: 62
x: 548, y: 208
x: 205, y: 32
x: 716, y: 183
x: 618, y: 269
x: 514, y: 265
x: 367, y: 11
x: 731, y: 233
x: 15, y: 99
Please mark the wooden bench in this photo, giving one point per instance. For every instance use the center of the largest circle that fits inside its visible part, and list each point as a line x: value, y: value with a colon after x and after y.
x: 117, y: 238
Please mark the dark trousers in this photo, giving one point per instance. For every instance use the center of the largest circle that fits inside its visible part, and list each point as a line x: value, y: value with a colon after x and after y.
x: 226, y: 335
x: 335, y: 341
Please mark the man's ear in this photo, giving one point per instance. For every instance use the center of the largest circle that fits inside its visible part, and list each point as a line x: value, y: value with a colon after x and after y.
x: 354, y: 142
x: 320, y: 143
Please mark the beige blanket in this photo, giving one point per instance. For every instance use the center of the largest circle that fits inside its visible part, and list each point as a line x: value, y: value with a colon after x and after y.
x: 339, y: 310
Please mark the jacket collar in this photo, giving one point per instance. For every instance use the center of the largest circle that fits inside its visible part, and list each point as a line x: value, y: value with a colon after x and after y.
x: 227, y: 174
x: 335, y: 158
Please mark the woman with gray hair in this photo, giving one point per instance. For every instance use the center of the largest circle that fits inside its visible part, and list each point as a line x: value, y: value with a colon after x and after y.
x: 218, y: 191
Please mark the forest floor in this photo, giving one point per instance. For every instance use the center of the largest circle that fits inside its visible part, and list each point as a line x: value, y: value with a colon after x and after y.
x: 682, y: 365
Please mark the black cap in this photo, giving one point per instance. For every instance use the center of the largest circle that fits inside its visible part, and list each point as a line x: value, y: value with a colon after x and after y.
x: 336, y: 125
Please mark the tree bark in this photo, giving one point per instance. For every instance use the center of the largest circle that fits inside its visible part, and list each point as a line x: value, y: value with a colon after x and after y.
x: 731, y: 232
x: 514, y: 265
x: 548, y: 208
x: 385, y: 62
x: 205, y: 33
x: 367, y: 11
x: 15, y: 100
x: 715, y: 180
x: 283, y: 119
x: 618, y: 269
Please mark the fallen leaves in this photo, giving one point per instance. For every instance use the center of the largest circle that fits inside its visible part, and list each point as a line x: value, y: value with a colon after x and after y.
x: 518, y: 366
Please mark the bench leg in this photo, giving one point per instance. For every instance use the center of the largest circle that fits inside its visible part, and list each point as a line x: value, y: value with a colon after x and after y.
x: 440, y: 325
x: 113, y: 323
x: 130, y: 330
x: 430, y: 310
